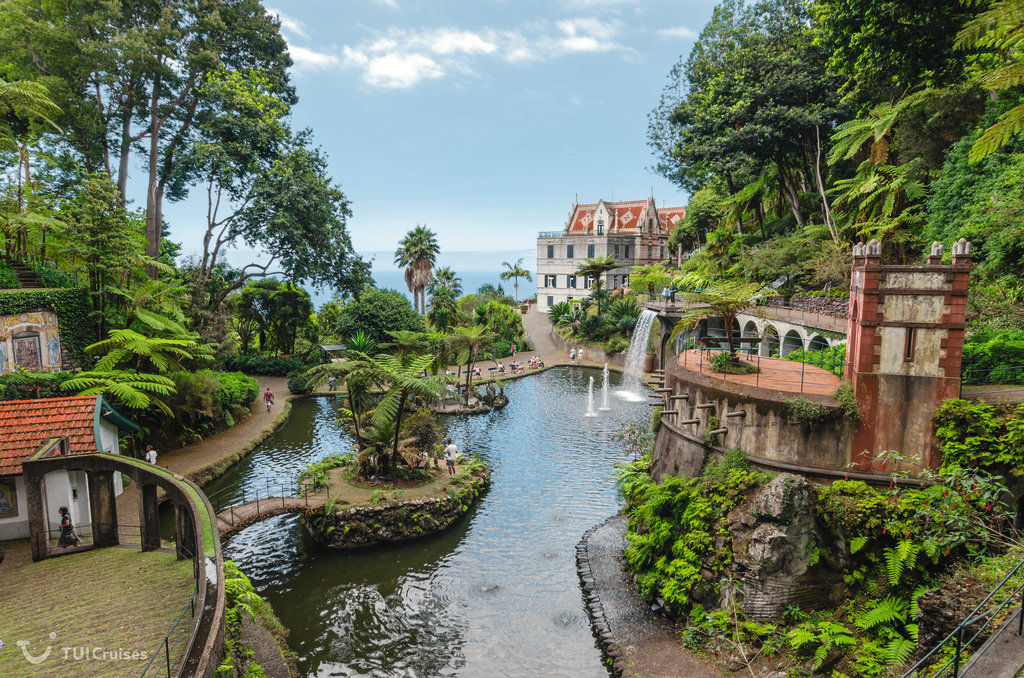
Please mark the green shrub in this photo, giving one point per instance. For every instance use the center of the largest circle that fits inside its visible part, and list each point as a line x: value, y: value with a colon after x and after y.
x: 729, y: 364
x: 298, y: 383
x: 51, y: 277
x: 501, y: 348
x: 832, y: 359
x: 8, y: 280
x: 844, y: 396
x: 261, y: 364
x: 978, y: 435
x: 617, y: 344
x: 994, y: 358
x: 811, y: 414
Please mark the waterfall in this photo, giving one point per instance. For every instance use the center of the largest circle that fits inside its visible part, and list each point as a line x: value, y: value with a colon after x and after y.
x: 634, y: 373
x: 590, y: 399
x: 604, y: 389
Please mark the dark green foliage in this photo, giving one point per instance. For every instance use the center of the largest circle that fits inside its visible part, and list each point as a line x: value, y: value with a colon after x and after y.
x: 673, y: 527
x: 203, y: 403
x: 832, y: 359
x: 994, y: 358
x: 77, y: 330
x: 52, y: 278
x: 8, y: 280
x: 844, y: 396
x: 23, y: 385
x: 811, y: 414
x: 376, y: 312
x: 976, y: 435
x: 264, y: 365
x: 298, y: 383
x: 425, y: 429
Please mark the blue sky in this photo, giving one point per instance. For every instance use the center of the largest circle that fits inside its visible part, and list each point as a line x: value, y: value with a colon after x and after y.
x: 482, y: 119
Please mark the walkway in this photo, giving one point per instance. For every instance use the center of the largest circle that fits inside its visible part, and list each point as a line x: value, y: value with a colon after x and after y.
x: 103, y: 599
x: 238, y: 517
x: 775, y: 374
x: 648, y: 644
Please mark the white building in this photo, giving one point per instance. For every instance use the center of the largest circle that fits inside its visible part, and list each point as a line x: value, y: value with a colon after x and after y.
x: 90, y: 425
x: 634, y: 233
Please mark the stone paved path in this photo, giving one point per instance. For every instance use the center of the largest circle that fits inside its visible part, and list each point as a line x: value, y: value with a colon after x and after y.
x: 649, y: 643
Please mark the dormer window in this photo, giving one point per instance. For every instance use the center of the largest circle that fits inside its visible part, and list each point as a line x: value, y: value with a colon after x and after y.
x: 600, y: 226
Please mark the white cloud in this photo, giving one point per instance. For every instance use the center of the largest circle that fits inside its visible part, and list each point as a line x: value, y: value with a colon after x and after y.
x: 307, y: 59
x: 401, y: 58
x: 398, y: 71
x: 389, y: 3
x: 289, y: 24
x: 678, y: 32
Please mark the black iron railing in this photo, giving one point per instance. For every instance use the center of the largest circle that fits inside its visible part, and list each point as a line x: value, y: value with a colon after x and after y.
x: 980, y: 617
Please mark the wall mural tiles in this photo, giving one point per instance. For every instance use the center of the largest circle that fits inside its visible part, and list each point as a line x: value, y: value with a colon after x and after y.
x: 29, y: 341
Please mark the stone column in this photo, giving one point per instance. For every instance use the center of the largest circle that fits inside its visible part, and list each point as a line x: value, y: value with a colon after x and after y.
x: 185, y: 532
x: 103, y: 508
x: 35, y: 495
x: 149, y: 518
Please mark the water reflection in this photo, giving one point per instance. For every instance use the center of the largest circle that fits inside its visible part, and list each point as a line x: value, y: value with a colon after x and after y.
x: 496, y: 594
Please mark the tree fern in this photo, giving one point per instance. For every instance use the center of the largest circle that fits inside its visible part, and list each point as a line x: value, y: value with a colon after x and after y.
x: 883, y: 613
x: 898, y: 651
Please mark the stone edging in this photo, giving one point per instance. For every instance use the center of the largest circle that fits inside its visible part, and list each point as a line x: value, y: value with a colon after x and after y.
x: 216, y: 469
x: 595, y: 610
x: 362, y: 525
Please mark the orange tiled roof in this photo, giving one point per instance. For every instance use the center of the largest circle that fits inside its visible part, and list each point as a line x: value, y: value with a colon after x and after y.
x: 25, y: 424
x: 625, y: 217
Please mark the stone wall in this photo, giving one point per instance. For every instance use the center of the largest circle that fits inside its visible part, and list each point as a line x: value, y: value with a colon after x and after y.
x: 361, y: 526
x: 757, y: 420
x: 836, y: 307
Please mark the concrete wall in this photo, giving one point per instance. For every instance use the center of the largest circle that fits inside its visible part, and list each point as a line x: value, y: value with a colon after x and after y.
x: 16, y: 527
x: 766, y: 430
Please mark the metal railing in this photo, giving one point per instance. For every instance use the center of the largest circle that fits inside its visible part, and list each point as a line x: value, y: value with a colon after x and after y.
x: 709, y: 346
x: 1004, y: 374
x: 227, y: 498
x: 976, y: 616
x: 171, y: 650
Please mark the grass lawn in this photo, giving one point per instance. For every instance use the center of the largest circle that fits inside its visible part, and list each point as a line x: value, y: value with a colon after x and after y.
x: 112, y: 599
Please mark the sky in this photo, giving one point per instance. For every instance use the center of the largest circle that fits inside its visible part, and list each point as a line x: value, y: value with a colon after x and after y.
x: 482, y: 119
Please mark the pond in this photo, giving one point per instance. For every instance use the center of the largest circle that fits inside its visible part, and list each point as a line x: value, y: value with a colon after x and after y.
x: 496, y: 594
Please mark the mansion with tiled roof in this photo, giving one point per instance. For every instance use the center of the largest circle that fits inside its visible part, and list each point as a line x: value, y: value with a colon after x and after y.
x: 634, y: 233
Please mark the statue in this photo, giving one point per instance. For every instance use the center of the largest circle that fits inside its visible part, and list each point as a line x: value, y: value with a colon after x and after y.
x: 53, y: 349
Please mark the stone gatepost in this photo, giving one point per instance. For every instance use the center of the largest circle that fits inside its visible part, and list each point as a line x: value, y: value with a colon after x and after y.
x: 149, y: 517
x: 103, y: 508
x: 185, y: 533
x: 904, y: 345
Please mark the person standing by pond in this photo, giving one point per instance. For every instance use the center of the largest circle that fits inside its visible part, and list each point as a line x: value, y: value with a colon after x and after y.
x: 450, y: 453
x: 67, y: 530
x: 268, y: 398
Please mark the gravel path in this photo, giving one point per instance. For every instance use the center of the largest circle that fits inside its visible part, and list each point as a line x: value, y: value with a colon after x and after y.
x: 647, y: 644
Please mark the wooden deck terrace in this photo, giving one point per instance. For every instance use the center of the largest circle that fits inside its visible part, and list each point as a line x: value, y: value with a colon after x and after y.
x: 776, y: 374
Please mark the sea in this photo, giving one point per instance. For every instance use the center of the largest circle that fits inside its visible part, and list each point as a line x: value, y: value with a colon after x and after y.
x: 473, y: 268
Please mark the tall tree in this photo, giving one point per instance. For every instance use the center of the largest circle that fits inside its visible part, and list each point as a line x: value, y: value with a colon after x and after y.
x: 595, y: 268
x: 514, y: 272
x: 724, y: 301
x: 416, y: 253
x: 133, y: 74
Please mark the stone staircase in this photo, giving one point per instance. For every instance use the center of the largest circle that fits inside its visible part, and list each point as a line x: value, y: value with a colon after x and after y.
x: 27, y: 278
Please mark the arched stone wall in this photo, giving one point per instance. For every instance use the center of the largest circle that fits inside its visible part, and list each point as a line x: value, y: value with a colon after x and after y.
x: 791, y: 342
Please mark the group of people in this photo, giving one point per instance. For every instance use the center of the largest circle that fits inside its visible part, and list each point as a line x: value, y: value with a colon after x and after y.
x: 575, y: 356
x: 669, y: 293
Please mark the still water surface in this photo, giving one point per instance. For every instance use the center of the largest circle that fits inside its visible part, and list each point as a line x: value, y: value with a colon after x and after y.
x: 495, y: 595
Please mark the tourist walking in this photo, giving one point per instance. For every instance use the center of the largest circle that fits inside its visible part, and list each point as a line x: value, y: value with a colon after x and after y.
x: 450, y: 453
x: 151, y: 455
x: 672, y: 293
x: 268, y: 398
x: 331, y: 381
x: 572, y: 355
x: 67, y: 530
x: 665, y: 293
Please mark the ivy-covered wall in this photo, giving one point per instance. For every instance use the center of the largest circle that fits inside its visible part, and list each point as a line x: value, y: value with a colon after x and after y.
x: 72, y: 308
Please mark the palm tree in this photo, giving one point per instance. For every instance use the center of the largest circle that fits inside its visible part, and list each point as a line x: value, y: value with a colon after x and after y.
x: 514, y: 272
x: 446, y: 279
x: 595, y: 268
x: 724, y: 301
x: 138, y: 351
x: 417, y: 253
x: 469, y: 340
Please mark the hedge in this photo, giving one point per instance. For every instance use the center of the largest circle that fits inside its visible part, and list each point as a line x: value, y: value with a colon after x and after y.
x: 71, y: 305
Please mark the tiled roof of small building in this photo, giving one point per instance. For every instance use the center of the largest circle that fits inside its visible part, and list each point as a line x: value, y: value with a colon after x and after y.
x: 25, y: 424
x: 625, y: 217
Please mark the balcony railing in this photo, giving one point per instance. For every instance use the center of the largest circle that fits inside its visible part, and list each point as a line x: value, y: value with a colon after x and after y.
x: 563, y: 234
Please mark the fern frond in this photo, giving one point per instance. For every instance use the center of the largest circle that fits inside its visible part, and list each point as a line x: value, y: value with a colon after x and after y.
x: 898, y: 651
x: 857, y: 543
x: 884, y: 613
